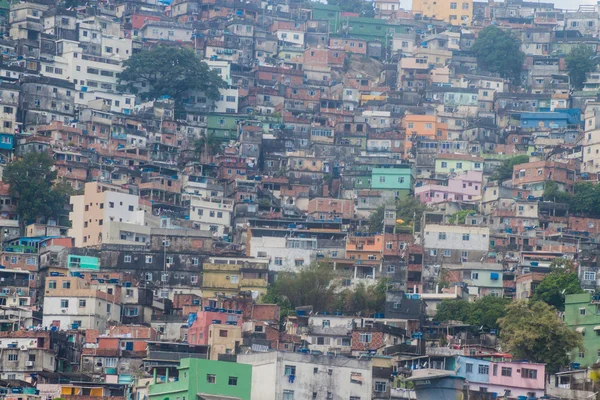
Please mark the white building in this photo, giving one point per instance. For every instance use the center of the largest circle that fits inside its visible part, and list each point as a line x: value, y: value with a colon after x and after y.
x: 278, y: 375
x: 71, y: 301
x: 591, y: 139
x: 453, y: 244
x: 211, y: 213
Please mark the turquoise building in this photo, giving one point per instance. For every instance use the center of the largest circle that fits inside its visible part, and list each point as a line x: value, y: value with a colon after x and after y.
x: 398, y: 178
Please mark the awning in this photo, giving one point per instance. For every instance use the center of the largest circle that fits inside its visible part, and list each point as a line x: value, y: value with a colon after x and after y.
x: 581, y: 329
x: 597, y: 328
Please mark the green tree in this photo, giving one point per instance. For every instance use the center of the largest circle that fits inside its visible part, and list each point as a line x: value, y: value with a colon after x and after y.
x: 207, y: 145
x: 410, y: 210
x: 311, y: 285
x: 376, y: 219
x: 586, y: 199
x: 553, y: 193
x: 460, y: 216
x: 499, y: 51
x: 34, y: 184
x: 555, y: 286
x: 533, y: 331
x: 170, y: 71
x: 505, y: 170
x: 362, y: 7
x: 483, y: 312
x: 579, y: 62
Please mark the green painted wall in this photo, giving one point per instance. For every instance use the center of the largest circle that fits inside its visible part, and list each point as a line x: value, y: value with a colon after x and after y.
x: 580, y: 313
x: 392, y: 178
x: 193, y: 379
x: 457, y: 166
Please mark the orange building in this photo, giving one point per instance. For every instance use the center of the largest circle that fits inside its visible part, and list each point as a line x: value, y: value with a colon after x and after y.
x: 422, y: 127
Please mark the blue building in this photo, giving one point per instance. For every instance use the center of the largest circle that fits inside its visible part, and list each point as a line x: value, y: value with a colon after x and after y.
x: 474, y: 370
x: 544, y: 120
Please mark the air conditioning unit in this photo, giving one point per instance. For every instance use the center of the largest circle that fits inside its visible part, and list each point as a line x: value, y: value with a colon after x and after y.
x: 63, y: 310
x: 29, y: 363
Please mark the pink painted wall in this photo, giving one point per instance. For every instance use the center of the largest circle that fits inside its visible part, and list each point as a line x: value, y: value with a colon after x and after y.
x: 198, y: 332
x: 516, y: 380
x: 459, y: 188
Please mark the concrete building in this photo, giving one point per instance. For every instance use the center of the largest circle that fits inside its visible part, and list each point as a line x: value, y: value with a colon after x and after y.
x: 279, y: 375
x: 104, y: 214
x: 211, y: 213
x: 71, y: 302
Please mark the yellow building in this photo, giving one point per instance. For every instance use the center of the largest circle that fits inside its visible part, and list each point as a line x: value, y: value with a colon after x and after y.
x: 456, y: 12
x: 231, y: 275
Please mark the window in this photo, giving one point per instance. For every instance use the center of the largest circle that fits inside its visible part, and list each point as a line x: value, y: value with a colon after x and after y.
x: 382, y: 179
x: 233, y: 380
x: 64, y: 303
x: 380, y: 386
x: 444, y: 164
x: 288, y: 395
x: 66, y: 285
x: 148, y: 276
x: 290, y: 370
x: 466, y: 236
x: 582, y: 311
x: 52, y: 285
x: 366, y: 337
x: 589, y: 276
x: 195, y: 261
x: 211, y: 378
x: 474, y: 275
x: 465, y: 6
x: 469, y: 368
x: 400, y: 179
x: 528, y: 373
x: 148, y: 259
x: 453, y: 6
x: 127, y: 258
x: 506, y: 371
x: 278, y: 261
x: 458, y: 165
x: 442, y: 236
x: 484, y: 370
x: 82, y: 303
x: 447, y: 253
x: 13, y: 357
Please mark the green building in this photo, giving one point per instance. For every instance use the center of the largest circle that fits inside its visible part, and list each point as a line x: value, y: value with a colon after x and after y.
x: 224, y: 126
x: 329, y: 13
x: 582, y: 314
x: 199, y: 377
x: 372, y: 28
x: 394, y: 177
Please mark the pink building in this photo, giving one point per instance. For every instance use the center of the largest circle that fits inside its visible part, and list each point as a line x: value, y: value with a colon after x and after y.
x: 521, y: 378
x: 198, y: 331
x: 465, y: 187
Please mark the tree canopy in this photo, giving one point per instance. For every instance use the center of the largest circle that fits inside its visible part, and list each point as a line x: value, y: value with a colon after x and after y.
x: 483, y: 312
x: 585, y: 199
x: 505, y: 170
x: 579, y: 62
x: 557, y: 284
x: 207, y: 145
x: 170, y: 71
x: 408, y: 209
x: 533, y: 331
x: 315, y: 285
x: 33, y: 183
x: 362, y: 7
x: 499, y: 51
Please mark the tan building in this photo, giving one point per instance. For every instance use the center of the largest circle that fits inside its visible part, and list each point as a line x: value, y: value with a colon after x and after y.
x: 223, y: 338
x: 98, y: 212
x: 456, y: 12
